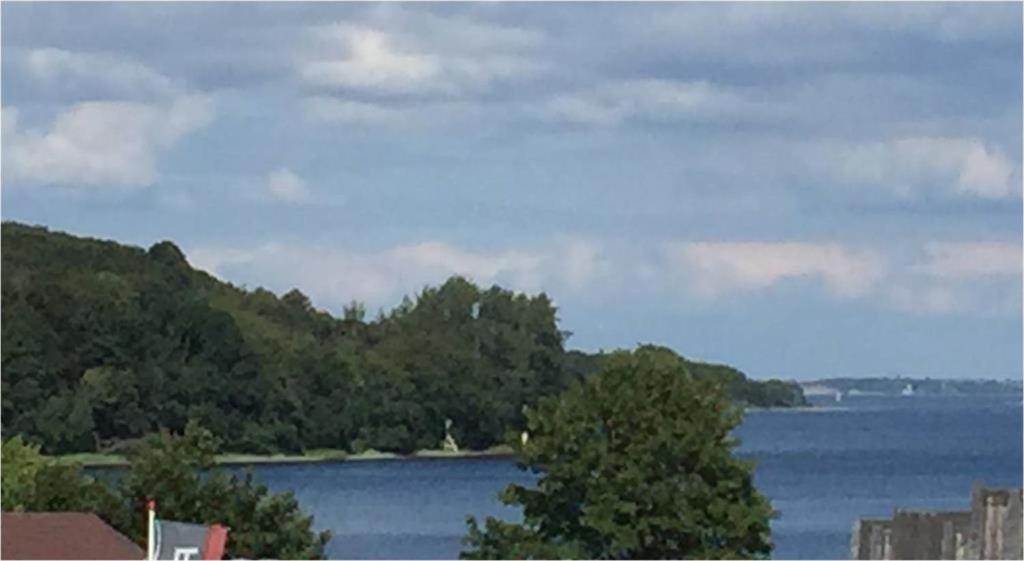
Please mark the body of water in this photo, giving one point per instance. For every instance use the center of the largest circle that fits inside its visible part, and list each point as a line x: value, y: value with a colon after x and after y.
x: 821, y: 468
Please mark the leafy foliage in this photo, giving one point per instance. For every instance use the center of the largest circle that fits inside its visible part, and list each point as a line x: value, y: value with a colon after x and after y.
x: 636, y: 462
x: 21, y: 465
x: 769, y: 393
x: 33, y: 483
x: 168, y: 468
x: 263, y: 526
x: 103, y: 344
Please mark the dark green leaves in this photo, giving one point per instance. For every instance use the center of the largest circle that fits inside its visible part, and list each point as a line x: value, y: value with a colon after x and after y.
x: 104, y: 344
x: 169, y: 469
x: 636, y: 462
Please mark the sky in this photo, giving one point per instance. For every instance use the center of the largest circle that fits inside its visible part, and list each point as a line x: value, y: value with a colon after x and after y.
x: 799, y: 190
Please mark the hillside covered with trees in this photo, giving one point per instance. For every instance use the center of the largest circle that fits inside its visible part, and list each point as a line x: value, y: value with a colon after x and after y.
x: 104, y: 343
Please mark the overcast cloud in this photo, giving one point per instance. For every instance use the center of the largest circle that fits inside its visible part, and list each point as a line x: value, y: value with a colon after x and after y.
x: 798, y: 189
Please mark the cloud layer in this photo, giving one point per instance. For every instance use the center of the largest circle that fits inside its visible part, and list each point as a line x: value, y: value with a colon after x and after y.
x: 940, y: 277
x: 715, y: 268
x: 395, y: 52
x: 333, y: 277
x: 109, y: 144
x: 966, y: 166
x: 285, y: 185
x: 124, y: 117
x: 692, y: 173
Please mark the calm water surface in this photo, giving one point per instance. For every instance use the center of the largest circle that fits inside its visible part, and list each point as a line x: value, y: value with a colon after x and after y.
x: 822, y: 470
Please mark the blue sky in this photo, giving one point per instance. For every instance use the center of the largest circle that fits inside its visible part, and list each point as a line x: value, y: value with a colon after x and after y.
x: 801, y: 190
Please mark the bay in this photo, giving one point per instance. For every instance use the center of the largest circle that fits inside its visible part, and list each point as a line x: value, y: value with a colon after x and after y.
x: 822, y: 468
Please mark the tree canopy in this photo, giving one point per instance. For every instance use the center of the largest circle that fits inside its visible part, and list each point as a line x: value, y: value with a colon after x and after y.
x: 103, y: 344
x: 169, y: 469
x: 636, y: 462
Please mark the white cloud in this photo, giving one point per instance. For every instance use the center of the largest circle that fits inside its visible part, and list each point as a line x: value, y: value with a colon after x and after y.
x: 132, y: 115
x: 371, y: 62
x: 333, y: 277
x: 380, y: 279
x: 284, y: 185
x: 986, y: 173
x: 342, y: 111
x: 397, y: 115
x: 775, y: 34
x: 713, y: 268
x: 969, y: 260
x: 96, y: 75
x: 965, y: 165
x: 946, y: 278
x: 923, y: 295
x: 522, y: 269
x: 959, y: 277
x: 582, y: 261
x: 395, y: 52
x: 102, y: 143
x: 615, y: 103
x: 926, y: 299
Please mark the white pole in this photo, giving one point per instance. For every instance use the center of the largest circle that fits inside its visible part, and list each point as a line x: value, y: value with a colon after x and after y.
x: 151, y: 551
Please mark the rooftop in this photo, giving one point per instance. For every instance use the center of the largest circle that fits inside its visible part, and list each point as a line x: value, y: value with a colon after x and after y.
x: 63, y: 535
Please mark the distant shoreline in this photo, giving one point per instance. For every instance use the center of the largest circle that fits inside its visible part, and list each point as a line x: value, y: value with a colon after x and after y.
x: 795, y: 408
x: 93, y: 460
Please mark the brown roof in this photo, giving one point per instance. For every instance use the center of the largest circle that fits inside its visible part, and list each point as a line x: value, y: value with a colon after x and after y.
x: 63, y: 535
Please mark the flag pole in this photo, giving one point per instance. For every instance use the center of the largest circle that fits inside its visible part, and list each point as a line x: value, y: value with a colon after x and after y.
x: 150, y: 552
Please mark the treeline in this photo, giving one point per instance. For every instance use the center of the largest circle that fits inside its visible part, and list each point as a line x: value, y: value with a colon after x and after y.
x: 927, y: 386
x: 104, y: 343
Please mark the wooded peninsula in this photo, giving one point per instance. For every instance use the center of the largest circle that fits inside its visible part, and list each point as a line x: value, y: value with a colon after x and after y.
x: 104, y: 343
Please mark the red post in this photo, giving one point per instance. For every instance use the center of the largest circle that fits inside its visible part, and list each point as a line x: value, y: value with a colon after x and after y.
x: 216, y: 539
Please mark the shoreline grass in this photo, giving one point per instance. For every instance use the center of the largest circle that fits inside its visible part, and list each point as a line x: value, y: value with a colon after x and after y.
x: 93, y: 459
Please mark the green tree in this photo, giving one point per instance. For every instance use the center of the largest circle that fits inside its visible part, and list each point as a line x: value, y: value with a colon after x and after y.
x: 354, y: 311
x: 21, y: 465
x: 635, y: 462
x: 167, y: 468
x: 170, y: 469
x: 103, y: 344
x: 33, y: 483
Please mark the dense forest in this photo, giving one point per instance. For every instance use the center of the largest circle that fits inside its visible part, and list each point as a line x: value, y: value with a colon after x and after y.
x: 104, y: 343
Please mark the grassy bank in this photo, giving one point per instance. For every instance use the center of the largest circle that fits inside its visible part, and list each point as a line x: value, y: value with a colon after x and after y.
x: 310, y: 456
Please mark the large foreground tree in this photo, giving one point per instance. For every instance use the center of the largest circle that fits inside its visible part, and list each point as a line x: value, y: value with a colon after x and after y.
x: 635, y: 462
x: 168, y: 468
